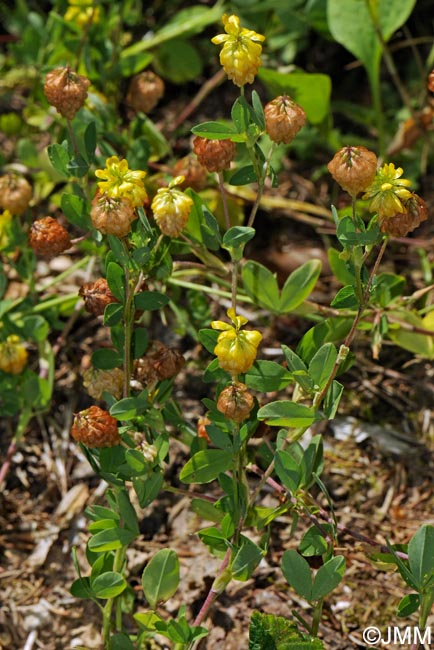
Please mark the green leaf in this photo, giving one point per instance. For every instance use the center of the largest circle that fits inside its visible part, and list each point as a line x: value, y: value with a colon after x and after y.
x: 332, y: 399
x: 405, y: 335
x: 313, y: 541
x: 261, y: 285
x: 360, y: 36
x: 106, y: 359
x: 322, y: 364
x: 160, y: 578
x: 178, y: 61
x: 206, y: 510
x: 214, y: 130
x: 298, y: 369
x: 246, y: 559
x: 259, y: 111
x: 408, y: 605
x: 113, y: 314
x: 328, y: 577
x: 89, y: 139
x: 288, y: 470
x: 147, y: 620
x: 299, y: 285
x: 340, y: 267
x: 267, y: 376
x: 81, y: 588
x: 111, y: 539
x: 421, y: 556
x: 59, y: 158
x: 237, y: 237
x: 202, y: 224
x: 286, y: 413
x: 150, y: 300
x: 243, y: 176
x: 116, y: 280
x: 345, y: 298
x: 208, y: 338
x: 121, y: 641
x: 77, y: 166
x: 205, y: 466
x: 109, y: 585
x: 330, y: 330
x: 75, y: 210
x: 131, y: 64
x: 270, y: 632
x: 350, y: 236
x: 129, y: 514
x: 310, y: 90
x: 297, y: 573
x: 148, y: 488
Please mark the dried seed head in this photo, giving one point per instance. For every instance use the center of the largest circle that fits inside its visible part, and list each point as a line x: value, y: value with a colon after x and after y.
x: 96, y: 296
x: 283, y: 119
x: 15, y: 193
x: 112, y: 216
x: 214, y: 155
x: 431, y: 81
x: 48, y: 238
x: 195, y: 175
x: 235, y: 402
x: 159, y: 362
x: 66, y: 90
x: 13, y: 355
x: 171, y: 209
x: 98, y: 381
x: 354, y: 168
x: 145, y: 91
x: 94, y: 427
x: 201, y: 428
x: 402, y: 223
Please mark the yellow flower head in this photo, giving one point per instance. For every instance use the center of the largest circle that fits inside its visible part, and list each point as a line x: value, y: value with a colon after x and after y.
x: 82, y: 12
x: 5, y: 223
x: 171, y: 208
x: 241, y: 53
x: 13, y: 355
x: 236, y: 348
x: 120, y: 182
x: 388, y: 192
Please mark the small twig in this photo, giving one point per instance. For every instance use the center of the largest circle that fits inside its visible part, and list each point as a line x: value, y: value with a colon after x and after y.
x: 204, y: 91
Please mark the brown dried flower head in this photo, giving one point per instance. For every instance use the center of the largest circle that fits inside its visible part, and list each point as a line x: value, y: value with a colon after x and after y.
x: 235, y: 402
x: 283, y: 119
x: 214, y: 155
x: 402, y: 223
x: 195, y: 175
x: 96, y: 296
x: 94, y: 427
x: 48, y: 238
x: 430, y: 84
x: 98, y: 381
x: 66, y: 90
x: 15, y: 193
x: 145, y: 91
x: 112, y: 216
x: 354, y: 168
x: 159, y: 362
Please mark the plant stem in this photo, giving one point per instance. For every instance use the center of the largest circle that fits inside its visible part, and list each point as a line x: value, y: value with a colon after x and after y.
x: 224, y: 199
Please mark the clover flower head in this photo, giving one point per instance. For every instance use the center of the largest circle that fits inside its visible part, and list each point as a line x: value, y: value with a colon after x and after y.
x: 5, y: 224
x: 388, y: 192
x: 236, y: 348
x: 241, y: 52
x: 13, y: 355
x: 171, y: 208
x: 118, y: 181
x: 82, y: 12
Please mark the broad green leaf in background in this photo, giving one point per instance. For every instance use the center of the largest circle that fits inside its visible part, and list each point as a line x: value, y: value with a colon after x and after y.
x: 178, y: 61
x: 310, y: 90
x: 205, y: 466
x: 116, y: 280
x: 322, y: 364
x: 268, y: 376
x: 261, y: 285
x: 108, y: 585
x: 160, y: 578
x: 421, y: 556
x: 150, y: 300
x: 299, y: 285
x: 402, y: 331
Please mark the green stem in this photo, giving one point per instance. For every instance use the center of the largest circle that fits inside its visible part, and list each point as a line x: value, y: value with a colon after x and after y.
x: 128, y: 326
x: 317, y: 612
x: 224, y: 200
x: 108, y: 607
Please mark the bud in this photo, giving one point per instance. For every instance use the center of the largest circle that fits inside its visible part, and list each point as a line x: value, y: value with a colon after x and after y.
x: 202, y: 423
x: 96, y: 296
x: 13, y: 355
x: 283, y: 119
x: 98, y: 381
x: 159, y: 362
x: 48, y: 238
x: 195, y: 175
x: 354, y: 168
x: 430, y: 84
x: 15, y: 193
x: 95, y: 428
x: 145, y: 91
x: 235, y: 402
x: 400, y: 224
x: 66, y: 90
x: 214, y: 155
x: 171, y: 209
x: 150, y: 452
x: 112, y: 216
